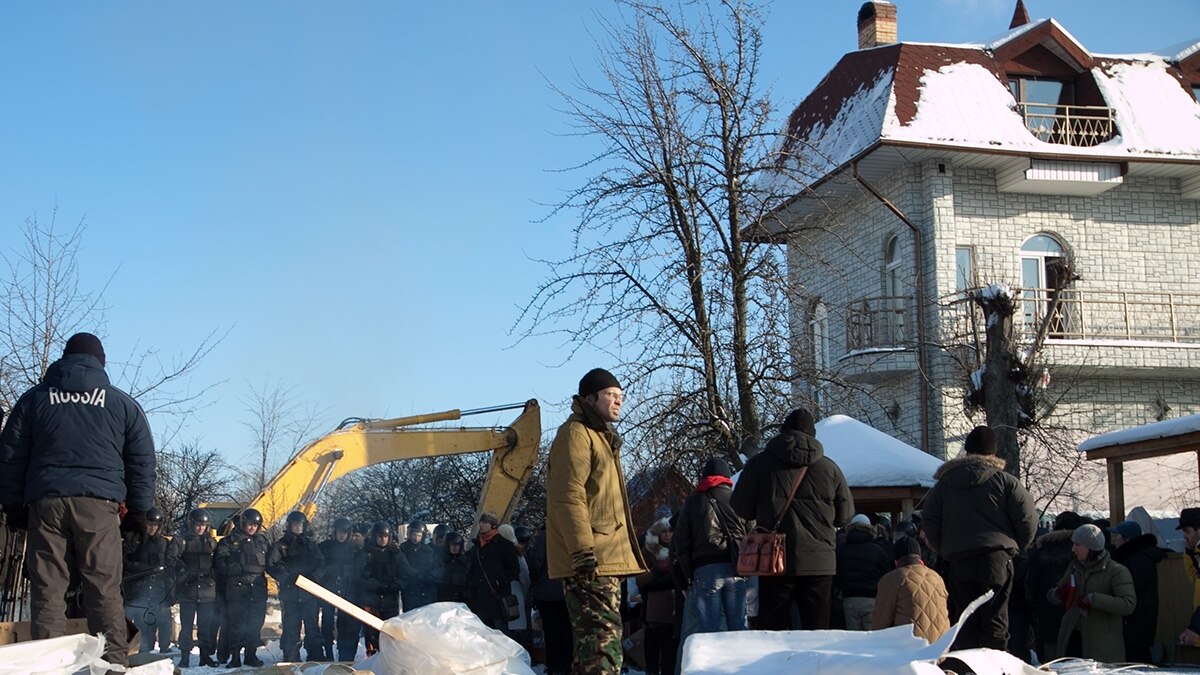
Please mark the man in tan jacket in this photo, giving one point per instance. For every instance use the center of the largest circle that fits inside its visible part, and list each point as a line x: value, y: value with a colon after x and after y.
x: 590, y: 542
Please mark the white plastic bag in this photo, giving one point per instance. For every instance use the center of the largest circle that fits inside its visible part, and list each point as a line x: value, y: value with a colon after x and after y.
x: 55, y: 656
x: 446, y: 638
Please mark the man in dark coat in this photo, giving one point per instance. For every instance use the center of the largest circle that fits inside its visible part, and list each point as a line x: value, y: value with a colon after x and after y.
x: 822, y: 504
x: 196, y: 587
x: 492, y: 566
x: 1140, y: 554
x: 343, y: 560
x: 1048, y: 557
x: 978, y: 517
x: 384, y: 574
x: 452, y: 570
x: 861, y: 563
x: 149, y: 577
x: 241, y: 558
x: 706, y: 539
x: 547, y: 597
x: 423, y: 558
x: 73, y: 449
x: 297, y: 554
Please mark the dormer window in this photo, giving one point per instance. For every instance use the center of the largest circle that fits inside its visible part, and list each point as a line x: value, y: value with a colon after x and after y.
x: 1048, y: 107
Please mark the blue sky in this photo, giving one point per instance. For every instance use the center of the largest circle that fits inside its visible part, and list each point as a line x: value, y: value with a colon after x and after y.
x: 356, y: 190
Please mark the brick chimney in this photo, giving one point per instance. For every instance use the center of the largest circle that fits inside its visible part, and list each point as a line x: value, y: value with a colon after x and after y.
x: 876, y: 24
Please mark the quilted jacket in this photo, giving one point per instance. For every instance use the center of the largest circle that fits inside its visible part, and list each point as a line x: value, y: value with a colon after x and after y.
x: 912, y: 594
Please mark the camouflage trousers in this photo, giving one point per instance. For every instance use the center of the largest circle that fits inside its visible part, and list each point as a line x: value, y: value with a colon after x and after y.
x: 594, y: 606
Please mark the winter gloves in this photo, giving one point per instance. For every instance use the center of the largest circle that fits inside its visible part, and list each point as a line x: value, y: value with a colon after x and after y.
x: 584, y: 563
x: 1085, y: 601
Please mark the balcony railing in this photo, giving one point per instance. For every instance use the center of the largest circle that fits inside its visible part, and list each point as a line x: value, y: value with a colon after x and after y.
x: 1086, y: 314
x: 877, y: 322
x: 1081, y: 126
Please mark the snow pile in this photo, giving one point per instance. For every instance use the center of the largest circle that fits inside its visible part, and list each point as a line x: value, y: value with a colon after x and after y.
x: 1154, y: 113
x: 870, y: 458
x: 964, y: 104
x: 1164, y: 429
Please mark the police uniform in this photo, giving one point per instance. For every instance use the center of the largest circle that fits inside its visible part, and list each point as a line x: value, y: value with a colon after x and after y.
x: 343, y: 561
x: 242, y: 561
x: 196, y: 590
x: 292, y: 556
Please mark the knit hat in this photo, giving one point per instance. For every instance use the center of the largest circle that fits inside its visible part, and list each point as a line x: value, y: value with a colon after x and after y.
x: 663, y: 511
x: 596, y: 380
x: 981, y: 441
x: 85, y: 343
x: 860, y: 520
x: 1189, y: 517
x: 1128, y: 529
x: 800, y: 420
x: 1090, y: 536
x: 906, y: 546
x: 716, y: 466
x: 1068, y: 520
x: 490, y: 517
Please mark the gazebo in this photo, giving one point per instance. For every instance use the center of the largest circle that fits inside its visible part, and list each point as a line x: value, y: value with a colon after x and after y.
x: 885, y: 474
x: 1168, y: 437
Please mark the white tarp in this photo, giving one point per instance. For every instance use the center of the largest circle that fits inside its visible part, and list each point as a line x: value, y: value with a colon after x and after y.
x: 67, y: 655
x: 446, y: 638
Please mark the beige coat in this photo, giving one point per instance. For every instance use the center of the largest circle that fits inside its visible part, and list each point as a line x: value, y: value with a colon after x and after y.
x: 912, y: 594
x: 586, y: 502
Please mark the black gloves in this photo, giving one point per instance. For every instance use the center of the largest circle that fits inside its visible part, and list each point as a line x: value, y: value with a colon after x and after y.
x: 584, y: 563
x: 16, y: 516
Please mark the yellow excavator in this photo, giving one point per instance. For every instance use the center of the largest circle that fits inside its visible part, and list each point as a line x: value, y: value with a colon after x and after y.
x: 359, y: 443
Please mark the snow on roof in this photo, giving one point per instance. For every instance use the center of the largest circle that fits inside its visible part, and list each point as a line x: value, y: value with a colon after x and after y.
x: 1164, y: 429
x: 870, y: 458
x: 1153, y: 113
x: 964, y: 104
x: 1011, y: 34
x: 1178, y: 52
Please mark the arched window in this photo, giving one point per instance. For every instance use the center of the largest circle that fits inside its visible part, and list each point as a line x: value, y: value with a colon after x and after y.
x: 1044, y: 274
x: 890, y: 322
x: 891, y: 268
x: 818, y: 327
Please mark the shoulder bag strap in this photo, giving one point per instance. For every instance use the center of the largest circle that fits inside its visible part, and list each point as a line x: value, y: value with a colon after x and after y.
x: 730, y: 545
x: 788, y: 503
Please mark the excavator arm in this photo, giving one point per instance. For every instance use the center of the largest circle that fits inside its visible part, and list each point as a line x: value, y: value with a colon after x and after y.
x: 364, y: 443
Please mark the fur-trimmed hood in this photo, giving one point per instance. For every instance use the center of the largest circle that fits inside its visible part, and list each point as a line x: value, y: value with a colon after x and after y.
x: 1053, y: 537
x: 969, y: 470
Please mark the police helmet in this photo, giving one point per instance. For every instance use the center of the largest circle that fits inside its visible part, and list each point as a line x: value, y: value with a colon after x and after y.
x: 154, y: 516
x: 363, y: 528
x: 416, y: 526
x: 524, y: 534
x: 453, y: 538
x: 342, y: 525
x: 440, y: 531
x: 381, y: 528
x: 252, y: 517
x: 297, y: 517
x: 199, y: 517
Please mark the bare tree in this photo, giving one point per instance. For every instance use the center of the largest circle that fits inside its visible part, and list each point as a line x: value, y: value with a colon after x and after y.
x: 44, y: 302
x: 188, y: 475
x: 663, y: 274
x: 277, y: 422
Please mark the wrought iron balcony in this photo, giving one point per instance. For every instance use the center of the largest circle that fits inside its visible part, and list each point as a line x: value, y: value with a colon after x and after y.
x: 877, y: 322
x: 1080, y: 126
x: 1087, y: 314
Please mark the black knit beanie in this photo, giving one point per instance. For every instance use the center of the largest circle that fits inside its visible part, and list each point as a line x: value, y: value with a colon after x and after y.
x: 906, y: 546
x: 716, y: 466
x: 597, y: 379
x: 800, y: 420
x: 85, y: 343
x: 981, y: 441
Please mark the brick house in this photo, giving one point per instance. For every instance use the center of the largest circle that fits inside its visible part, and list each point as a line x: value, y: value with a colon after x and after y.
x: 915, y: 172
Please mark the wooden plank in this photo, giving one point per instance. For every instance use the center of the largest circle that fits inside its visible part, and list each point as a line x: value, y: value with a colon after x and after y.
x: 372, y: 621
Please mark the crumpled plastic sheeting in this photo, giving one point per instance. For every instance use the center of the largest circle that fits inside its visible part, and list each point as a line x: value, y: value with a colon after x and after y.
x: 446, y: 638
x: 64, y: 655
x: 891, y: 651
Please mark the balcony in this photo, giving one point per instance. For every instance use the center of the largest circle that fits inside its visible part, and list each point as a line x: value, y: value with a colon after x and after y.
x: 879, y: 340
x: 1080, y: 126
x: 1094, y: 330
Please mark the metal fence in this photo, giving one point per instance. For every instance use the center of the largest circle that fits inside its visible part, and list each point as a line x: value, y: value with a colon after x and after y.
x: 1080, y: 126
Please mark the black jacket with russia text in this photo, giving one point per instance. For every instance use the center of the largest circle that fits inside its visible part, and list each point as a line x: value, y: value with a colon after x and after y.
x: 76, y: 435
x: 823, y: 502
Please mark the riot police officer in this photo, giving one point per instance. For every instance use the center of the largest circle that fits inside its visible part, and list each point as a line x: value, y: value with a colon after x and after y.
x: 384, y: 573
x: 421, y: 590
x: 149, y: 572
x: 296, y: 554
x: 343, y: 560
x: 195, y: 587
x: 452, y: 575
x: 241, y: 558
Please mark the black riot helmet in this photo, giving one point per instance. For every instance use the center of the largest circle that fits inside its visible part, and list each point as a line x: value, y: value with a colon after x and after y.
x: 342, y: 525
x: 154, y: 516
x: 416, y: 525
x: 453, y: 539
x: 252, y: 517
x: 297, y: 517
x: 199, y: 517
x: 524, y: 534
x: 380, y: 528
x: 363, y: 528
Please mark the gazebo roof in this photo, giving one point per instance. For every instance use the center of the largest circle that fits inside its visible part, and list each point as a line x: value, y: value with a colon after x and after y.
x: 870, y: 458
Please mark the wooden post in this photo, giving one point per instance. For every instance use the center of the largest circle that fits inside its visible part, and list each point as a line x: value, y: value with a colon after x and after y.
x: 321, y: 593
x: 1116, y: 490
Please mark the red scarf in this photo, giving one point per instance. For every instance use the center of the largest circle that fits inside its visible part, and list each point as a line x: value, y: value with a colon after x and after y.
x: 709, y: 482
x: 486, y: 537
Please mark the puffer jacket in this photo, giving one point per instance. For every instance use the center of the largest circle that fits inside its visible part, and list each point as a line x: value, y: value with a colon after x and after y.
x: 195, y: 571
x: 912, y: 593
x: 700, y: 531
x: 76, y: 435
x: 976, y: 507
x: 1102, y: 627
x: 1141, y: 557
x: 822, y: 504
x: 861, y: 563
x: 587, y: 506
